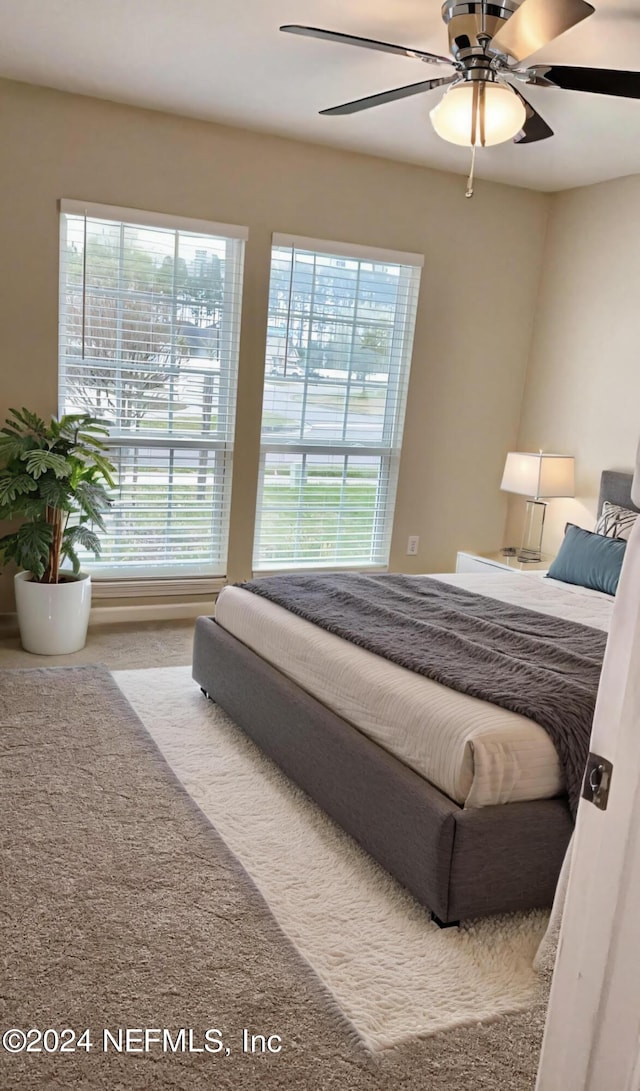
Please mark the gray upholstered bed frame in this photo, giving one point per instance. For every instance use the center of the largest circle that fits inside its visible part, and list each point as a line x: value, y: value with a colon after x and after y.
x: 459, y: 863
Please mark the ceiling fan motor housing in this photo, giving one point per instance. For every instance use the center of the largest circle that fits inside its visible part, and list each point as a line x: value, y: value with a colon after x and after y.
x: 471, y: 25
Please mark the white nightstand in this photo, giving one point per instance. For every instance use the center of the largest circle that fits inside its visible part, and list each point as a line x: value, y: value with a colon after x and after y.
x: 497, y: 562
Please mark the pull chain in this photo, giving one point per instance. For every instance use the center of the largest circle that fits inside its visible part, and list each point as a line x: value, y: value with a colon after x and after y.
x: 470, y: 179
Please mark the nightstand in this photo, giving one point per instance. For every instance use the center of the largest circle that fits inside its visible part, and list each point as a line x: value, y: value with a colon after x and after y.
x: 497, y: 562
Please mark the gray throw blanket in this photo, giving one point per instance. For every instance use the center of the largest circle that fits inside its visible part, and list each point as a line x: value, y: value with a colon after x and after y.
x: 539, y: 666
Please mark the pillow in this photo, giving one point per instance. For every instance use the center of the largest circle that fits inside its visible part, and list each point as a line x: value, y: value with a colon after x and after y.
x: 589, y: 560
x: 616, y: 522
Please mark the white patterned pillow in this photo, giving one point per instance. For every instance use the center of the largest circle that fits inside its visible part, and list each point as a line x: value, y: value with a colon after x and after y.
x: 616, y: 522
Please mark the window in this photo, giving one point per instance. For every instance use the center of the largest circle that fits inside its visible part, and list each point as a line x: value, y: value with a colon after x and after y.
x: 149, y: 331
x: 339, y: 342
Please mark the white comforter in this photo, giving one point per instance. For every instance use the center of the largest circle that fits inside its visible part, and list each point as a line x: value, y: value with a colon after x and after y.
x: 476, y: 753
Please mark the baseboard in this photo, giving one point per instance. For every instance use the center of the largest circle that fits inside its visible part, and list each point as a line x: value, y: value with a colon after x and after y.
x: 8, y: 624
x: 168, y: 611
x: 116, y: 615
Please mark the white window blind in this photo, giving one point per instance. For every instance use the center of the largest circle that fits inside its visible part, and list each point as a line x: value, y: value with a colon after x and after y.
x: 339, y: 344
x: 149, y: 332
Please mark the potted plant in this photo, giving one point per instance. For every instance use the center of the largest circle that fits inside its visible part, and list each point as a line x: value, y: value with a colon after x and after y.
x: 54, y: 478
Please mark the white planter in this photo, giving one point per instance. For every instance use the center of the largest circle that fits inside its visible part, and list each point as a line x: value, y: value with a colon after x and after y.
x: 53, y: 617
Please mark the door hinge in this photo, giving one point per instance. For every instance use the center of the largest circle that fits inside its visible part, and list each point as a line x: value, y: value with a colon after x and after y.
x: 597, y: 781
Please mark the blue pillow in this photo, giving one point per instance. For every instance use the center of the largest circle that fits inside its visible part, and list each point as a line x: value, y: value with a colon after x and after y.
x: 590, y: 560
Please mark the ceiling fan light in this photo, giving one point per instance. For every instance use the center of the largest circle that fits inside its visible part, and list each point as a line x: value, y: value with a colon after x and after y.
x: 504, y: 115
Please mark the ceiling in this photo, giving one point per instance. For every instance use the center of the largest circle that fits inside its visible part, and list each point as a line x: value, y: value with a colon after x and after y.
x: 225, y: 60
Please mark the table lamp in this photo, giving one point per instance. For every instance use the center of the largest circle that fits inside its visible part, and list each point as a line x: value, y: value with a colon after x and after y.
x: 541, y: 477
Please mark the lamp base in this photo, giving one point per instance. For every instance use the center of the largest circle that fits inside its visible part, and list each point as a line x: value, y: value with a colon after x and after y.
x: 531, y: 548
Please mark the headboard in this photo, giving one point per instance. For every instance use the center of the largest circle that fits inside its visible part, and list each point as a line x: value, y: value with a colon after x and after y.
x: 616, y: 487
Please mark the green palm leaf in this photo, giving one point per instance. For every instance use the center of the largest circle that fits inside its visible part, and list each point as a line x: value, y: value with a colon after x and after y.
x: 107, y: 469
x: 12, y: 446
x: 81, y: 535
x: 14, y: 485
x: 32, y: 547
x: 38, y: 462
x: 93, y: 499
x: 70, y: 553
x: 55, y: 493
x: 30, y: 420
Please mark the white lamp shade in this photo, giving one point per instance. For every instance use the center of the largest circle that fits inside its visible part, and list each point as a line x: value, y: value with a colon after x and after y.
x: 539, y: 475
x: 504, y: 115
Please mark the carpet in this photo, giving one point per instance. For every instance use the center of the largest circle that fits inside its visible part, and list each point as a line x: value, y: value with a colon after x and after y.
x: 123, y: 908
x: 391, y: 970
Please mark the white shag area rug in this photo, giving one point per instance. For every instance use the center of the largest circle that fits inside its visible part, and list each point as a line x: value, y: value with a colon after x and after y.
x: 393, y: 973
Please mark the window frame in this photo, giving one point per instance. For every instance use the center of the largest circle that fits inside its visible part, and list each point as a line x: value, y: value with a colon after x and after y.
x: 120, y: 439
x: 388, y: 450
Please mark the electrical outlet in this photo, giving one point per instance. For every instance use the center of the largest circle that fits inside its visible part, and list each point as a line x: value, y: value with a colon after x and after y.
x: 413, y: 541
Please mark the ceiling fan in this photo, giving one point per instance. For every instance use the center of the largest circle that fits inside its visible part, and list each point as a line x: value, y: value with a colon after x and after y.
x: 489, y: 40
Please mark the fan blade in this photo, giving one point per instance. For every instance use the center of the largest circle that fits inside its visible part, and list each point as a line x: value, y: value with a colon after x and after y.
x: 536, y: 23
x: 386, y: 96
x: 366, y: 43
x: 535, y: 127
x: 599, y: 81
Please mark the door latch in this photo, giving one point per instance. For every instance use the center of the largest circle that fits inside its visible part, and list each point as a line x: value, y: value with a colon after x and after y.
x: 597, y: 781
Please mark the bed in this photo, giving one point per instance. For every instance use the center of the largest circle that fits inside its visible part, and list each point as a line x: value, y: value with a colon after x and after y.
x: 467, y: 832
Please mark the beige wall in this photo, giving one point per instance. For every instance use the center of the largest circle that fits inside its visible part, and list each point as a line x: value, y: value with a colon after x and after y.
x: 475, y: 313
x: 582, y: 395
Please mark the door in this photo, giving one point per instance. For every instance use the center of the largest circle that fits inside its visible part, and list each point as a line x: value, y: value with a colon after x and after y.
x: 592, y: 1036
